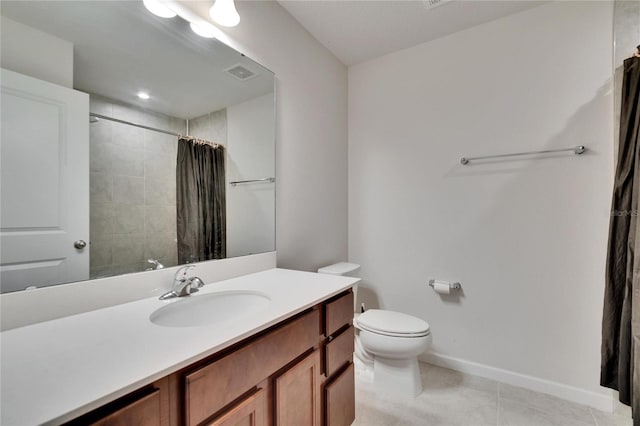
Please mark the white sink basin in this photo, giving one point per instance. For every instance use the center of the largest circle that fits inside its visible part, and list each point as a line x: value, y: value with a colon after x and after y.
x: 212, y: 308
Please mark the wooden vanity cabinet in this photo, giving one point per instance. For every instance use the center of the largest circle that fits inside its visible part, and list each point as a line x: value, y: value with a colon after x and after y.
x: 145, y: 411
x: 338, y: 313
x: 211, y: 387
x: 339, y: 406
x: 148, y: 406
x: 296, y: 373
x: 251, y: 411
x: 297, y: 396
x: 338, y: 351
x: 339, y: 397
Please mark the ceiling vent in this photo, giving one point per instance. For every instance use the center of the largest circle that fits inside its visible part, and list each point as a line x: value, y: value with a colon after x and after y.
x: 430, y: 4
x: 240, y: 72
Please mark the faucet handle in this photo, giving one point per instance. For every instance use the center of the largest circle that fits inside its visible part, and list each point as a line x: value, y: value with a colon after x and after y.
x: 181, y: 274
x: 195, y: 283
x: 156, y: 264
x: 183, y: 285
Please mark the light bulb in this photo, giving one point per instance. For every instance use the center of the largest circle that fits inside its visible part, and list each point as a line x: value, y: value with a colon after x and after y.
x: 158, y: 9
x: 224, y: 13
x: 202, y: 30
x: 143, y: 95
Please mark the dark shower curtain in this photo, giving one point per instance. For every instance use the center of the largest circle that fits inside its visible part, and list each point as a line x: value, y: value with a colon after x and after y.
x: 200, y: 199
x: 620, y: 363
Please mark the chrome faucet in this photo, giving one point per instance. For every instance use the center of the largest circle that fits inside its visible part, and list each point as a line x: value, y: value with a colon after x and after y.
x: 182, y: 284
x: 155, y: 264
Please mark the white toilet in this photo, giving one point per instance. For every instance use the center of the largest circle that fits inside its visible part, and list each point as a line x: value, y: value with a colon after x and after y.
x: 389, y: 340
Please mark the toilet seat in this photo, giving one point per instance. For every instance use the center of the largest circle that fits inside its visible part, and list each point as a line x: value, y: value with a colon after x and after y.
x: 390, y: 323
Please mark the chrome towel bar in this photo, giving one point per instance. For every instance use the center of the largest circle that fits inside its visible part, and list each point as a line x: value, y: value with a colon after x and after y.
x: 580, y: 149
x: 263, y: 180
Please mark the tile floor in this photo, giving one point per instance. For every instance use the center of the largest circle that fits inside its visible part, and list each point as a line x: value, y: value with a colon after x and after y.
x: 453, y: 398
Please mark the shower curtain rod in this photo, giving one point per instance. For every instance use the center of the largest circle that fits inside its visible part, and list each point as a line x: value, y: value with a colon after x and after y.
x: 142, y: 126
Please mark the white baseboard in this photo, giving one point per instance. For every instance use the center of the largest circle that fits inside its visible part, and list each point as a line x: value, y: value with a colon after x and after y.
x: 603, y: 402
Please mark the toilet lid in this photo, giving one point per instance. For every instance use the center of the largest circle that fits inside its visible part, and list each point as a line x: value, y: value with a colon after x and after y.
x: 392, y: 323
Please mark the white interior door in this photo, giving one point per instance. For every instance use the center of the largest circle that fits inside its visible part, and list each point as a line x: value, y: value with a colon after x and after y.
x: 44, y: 186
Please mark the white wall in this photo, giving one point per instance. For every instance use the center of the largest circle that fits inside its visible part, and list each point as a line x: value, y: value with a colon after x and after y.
x: 311, y: 133
x: 526, y: 238
x: 35, y: 53
x: 250, y: 207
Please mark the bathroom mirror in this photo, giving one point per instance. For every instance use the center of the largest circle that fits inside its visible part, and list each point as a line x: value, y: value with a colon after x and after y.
x: 95, y: 96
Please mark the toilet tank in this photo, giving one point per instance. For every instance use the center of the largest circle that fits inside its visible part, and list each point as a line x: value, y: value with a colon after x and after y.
x: 342, y: 268
x: 347, y: 270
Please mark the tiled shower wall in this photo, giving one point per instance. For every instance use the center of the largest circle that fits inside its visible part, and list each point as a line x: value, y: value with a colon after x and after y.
x: 133, y: 189
x: 212, y: 127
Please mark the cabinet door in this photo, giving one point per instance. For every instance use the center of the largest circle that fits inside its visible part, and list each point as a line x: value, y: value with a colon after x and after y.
x: 297, y: 393
x: 148, y: 406
x: 252, y: 411
x: 211, y: 388
x: 340, y: 399
x: 143, y: 412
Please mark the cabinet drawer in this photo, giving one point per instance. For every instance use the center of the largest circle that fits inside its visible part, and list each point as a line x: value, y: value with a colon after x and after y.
x: 143, y: 412
x: 338, y: 314
x: 340, y: 405
x: 338, y: 351
x: 211, y: 388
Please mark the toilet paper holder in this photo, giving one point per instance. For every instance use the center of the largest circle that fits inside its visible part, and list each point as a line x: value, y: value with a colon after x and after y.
x: 453, y: 286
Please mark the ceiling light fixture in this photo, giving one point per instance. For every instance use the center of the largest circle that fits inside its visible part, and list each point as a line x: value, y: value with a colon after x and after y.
x: 202, y: 30
x: 198, y: 25
x: 158, y: 8
x: 143, y: 95
x: 171, y: 8
x: 224, y: 13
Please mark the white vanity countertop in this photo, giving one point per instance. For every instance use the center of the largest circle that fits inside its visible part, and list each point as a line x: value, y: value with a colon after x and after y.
x: 54, y: 371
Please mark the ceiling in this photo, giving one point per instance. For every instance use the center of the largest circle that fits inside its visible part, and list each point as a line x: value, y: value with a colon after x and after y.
x: 120, y: 49
x: 356, y: 31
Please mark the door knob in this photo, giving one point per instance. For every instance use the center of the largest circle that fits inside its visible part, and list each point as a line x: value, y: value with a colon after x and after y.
x: 80, y: 244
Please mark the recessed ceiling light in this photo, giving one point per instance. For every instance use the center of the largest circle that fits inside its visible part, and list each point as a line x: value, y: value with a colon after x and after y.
x: 143, y: 95
x: 157, y: 8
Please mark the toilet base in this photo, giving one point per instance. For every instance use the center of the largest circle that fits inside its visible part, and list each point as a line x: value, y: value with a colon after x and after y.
x: 397, y: 376
x: 364, y: 371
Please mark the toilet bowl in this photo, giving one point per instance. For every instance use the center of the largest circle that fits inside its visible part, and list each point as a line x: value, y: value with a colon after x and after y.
x: 393, y: 341
x: 390, y: 342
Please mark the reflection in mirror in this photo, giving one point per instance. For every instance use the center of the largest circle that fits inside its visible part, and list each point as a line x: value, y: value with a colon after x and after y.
x: 128, y: 144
